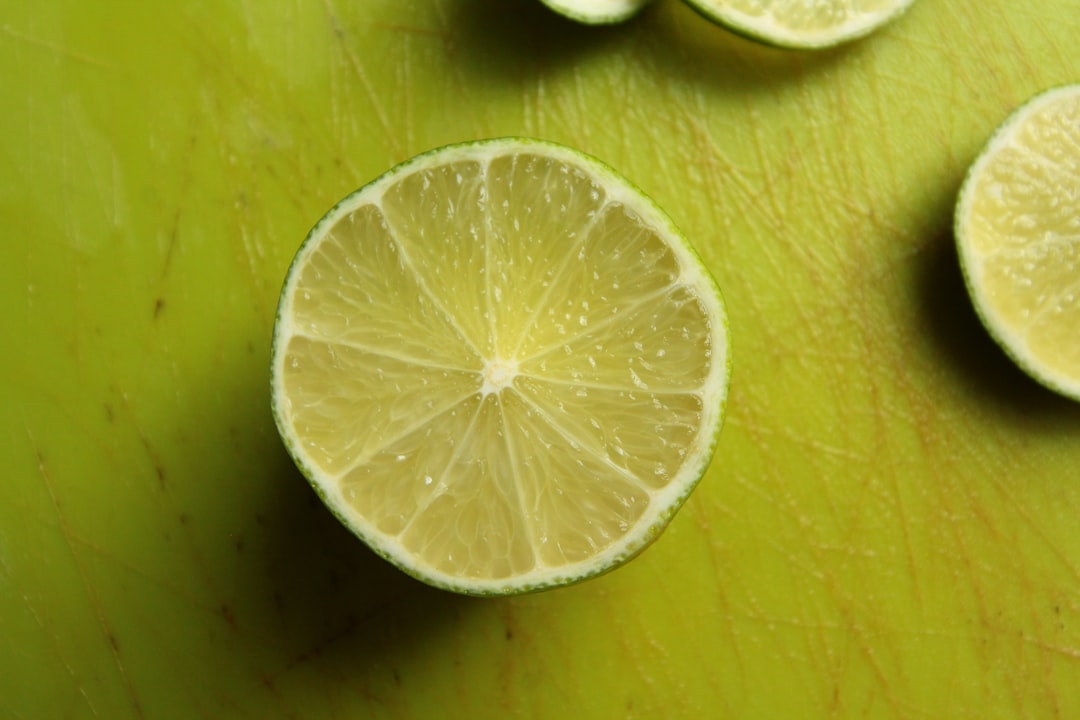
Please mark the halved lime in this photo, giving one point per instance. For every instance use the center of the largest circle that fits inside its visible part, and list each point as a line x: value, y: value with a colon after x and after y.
x: 501, y: 366
x: 1018, y: 237
x: 597, y: 12
x: 804, y: 24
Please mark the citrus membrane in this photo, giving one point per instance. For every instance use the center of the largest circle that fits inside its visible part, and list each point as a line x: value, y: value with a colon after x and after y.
x: 500, y: 365
x: 804, y: 24
x: 1018, y: 237
x: 597, y: 12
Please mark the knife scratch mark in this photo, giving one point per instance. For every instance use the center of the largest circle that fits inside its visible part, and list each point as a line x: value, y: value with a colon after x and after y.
x: 1036, y: 528
x: 462, y: 85
x: 252, y: 252
x: 720, y: 163
x: 54, y: 48
x: 163, y: 584
x: 88, y: 587
x: 55, y: 646
x: 365, y: 82
x: 409, y: 29
x: 1063, y: 650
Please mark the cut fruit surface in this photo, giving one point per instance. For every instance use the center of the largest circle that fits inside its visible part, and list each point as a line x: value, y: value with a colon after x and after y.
x: 597, y: 12
x: 501, y: 366
x: 1018, y: 238
x: 803, y: 24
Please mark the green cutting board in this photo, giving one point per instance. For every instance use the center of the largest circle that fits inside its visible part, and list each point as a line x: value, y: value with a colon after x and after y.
x: 890, y: 527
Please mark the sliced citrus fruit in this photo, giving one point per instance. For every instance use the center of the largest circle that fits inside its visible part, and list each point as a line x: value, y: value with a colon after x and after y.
x: 1018, y: 237
x: 501, y: 366
x: 805, y: 24
x: 597, y: 12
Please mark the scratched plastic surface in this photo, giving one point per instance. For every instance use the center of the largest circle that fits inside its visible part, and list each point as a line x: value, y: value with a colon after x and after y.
x: 889, y: 528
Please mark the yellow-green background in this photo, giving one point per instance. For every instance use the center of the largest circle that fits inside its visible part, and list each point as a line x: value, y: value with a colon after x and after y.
x: 890, y: 528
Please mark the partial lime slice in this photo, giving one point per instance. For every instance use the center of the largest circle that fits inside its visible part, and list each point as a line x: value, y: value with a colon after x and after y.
x: 1018, y: 237
x: 500, y: 365
x: 805, y: 24
x: 597, y: 12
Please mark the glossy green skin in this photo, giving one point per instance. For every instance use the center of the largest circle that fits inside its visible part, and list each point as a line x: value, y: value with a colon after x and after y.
x: 889, y: 528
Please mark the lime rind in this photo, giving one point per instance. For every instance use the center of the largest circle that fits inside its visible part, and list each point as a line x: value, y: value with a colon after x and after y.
x: 664, y: 504
x: 1009, y: 339
x: 597, y: 12
x: 775, y: 34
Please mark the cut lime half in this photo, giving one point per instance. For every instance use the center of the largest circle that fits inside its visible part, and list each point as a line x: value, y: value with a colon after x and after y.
x: 501, y: 365
x: 597, y: 12
x: 802, y: 24
x: 1018, y: 238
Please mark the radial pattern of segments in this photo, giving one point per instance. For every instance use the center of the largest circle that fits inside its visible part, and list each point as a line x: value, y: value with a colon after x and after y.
x: 499, y: 365
x: 1021, y: 235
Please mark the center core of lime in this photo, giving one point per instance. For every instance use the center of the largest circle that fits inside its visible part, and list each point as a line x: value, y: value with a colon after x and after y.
x: 497, y: 375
